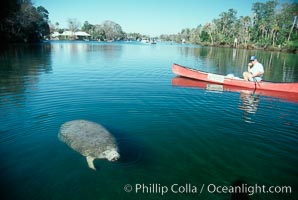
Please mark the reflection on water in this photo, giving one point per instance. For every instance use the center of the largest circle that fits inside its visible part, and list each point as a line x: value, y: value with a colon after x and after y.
x: 20, y: 70
x: 250, y: 99
x: 249, y: 105
x: 86, y: 51
x: 18, y: 73
x: 165, y: 134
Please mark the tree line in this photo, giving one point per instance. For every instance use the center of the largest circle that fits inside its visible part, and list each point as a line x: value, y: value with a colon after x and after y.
x: 271, y: 26
x: 20, y: 21
x: 106, y: 31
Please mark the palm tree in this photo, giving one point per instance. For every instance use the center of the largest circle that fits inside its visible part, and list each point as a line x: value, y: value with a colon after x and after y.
x: 210, y: 27
x: 294, y: 23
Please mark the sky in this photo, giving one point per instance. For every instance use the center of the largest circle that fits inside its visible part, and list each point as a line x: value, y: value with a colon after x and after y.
x: 148, y: 17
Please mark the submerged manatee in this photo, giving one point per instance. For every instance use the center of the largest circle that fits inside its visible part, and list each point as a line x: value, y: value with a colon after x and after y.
x: 89, y: 139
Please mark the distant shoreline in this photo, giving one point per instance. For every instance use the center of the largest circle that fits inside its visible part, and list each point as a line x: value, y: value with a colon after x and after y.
x: 253, y: 47
x: 248, y: 47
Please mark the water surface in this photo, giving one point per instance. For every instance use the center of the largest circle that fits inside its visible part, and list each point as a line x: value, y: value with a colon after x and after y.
x: 166, y: 134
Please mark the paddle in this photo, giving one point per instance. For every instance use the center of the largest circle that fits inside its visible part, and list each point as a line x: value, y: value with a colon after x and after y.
x: 256, y: 82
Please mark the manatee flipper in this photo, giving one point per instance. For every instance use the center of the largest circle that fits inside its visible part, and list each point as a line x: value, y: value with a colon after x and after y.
x: 90, y: 162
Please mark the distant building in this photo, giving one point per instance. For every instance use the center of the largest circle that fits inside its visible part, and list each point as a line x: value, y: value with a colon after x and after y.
x: 69, y: 35
x: 55, y: 36
x: 81, y: 35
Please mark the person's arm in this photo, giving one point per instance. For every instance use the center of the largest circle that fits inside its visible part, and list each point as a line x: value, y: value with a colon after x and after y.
x: 258, y: 74
x: 249, y: 66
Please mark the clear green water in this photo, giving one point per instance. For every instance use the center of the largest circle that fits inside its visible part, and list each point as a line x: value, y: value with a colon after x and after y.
x: 166, y: 134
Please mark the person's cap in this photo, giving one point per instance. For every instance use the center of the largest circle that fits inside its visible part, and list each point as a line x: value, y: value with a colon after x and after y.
x: 253, y: 58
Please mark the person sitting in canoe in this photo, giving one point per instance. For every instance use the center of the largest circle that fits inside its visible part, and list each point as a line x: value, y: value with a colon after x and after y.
x: 255, y: 70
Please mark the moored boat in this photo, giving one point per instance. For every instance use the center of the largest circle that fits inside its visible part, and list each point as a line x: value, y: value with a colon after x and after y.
x: 231, y: 81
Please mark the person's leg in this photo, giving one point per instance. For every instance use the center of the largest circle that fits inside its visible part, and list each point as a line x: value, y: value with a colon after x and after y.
x: 247, y: 76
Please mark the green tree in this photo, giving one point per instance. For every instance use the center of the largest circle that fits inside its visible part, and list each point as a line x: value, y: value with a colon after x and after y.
x: 133, y: 36
x: 288, y: 22
x: 87, y: 27
x: 264, y: 22
x: 98, y: 33
x: 113, y: 31
x: 23, y: 22
x: 8, y: 8
x: 227, y: 20
x: 185, y: 34
x: 270, y: 26
x: 73, y: 24
x: 42, y: 21
x: 195, y: 35
x: 210, y: 28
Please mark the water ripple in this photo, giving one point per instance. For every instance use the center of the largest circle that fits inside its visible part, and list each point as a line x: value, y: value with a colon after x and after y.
x: 164, y: 133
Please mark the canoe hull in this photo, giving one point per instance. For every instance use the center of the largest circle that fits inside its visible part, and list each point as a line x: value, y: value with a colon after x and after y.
x: 187, y: 82
x: 220, y: 79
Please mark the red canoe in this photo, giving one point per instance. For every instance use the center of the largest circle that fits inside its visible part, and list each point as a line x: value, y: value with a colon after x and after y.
x: 223, y: 80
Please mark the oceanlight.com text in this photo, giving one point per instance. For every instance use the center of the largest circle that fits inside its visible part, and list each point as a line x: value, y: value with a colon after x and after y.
x: 188, y: 188
x: 249, y: 189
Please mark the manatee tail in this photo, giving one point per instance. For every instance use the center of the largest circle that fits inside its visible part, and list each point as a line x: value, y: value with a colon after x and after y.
x: 90, y: 162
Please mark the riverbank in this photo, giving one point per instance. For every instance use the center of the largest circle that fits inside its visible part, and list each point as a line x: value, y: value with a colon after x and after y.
x: 254, y: 47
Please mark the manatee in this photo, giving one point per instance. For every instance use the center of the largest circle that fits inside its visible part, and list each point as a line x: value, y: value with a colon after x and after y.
x: 90, y: 140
